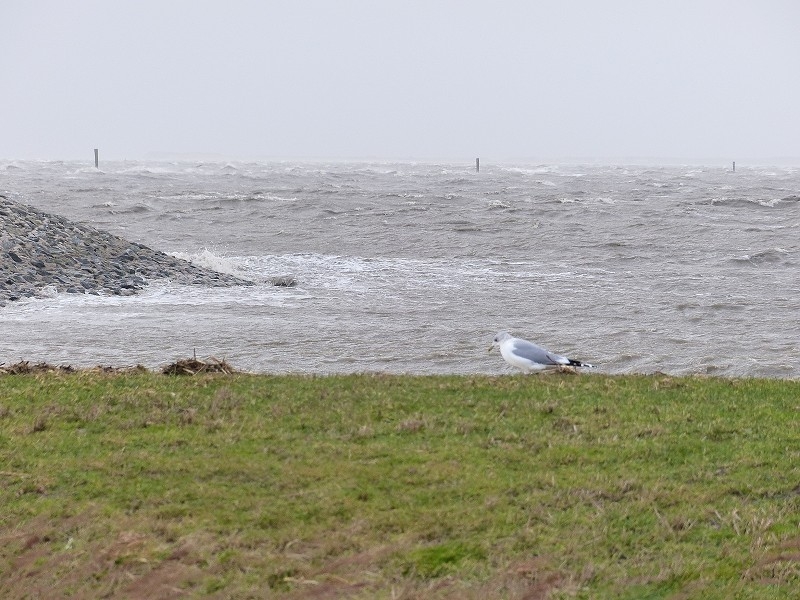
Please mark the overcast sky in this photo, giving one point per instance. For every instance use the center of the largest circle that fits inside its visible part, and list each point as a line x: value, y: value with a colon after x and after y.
x: 401, y: 79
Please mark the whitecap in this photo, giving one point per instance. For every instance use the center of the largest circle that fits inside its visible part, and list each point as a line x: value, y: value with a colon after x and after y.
x: 212, y: 259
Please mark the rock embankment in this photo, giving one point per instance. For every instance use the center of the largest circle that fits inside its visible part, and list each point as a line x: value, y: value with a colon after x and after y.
x: 42, y: 253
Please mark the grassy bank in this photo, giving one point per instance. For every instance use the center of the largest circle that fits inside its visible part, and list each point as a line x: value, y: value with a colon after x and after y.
x: 141, y: 485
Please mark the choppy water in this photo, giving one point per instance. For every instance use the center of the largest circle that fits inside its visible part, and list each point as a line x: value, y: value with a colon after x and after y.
x: 414, y: 267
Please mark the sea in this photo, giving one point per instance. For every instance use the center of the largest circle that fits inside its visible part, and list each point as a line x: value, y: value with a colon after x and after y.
x: 413, y: 267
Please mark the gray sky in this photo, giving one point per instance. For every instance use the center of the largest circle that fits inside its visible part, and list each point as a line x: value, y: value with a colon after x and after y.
x: 401, y: 79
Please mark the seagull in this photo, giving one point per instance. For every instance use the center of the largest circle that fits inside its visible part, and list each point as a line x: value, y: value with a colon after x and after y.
x: 528, y: 356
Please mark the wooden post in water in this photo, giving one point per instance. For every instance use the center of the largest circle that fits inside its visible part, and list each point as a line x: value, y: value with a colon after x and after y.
x: 96, y: 158
x: 477, y: 165
x: 734, y: 166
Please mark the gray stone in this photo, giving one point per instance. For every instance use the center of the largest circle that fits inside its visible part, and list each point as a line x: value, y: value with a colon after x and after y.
x: 39, y: 250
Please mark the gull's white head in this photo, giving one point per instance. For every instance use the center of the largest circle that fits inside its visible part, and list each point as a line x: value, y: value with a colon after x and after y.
x: 499, y: 339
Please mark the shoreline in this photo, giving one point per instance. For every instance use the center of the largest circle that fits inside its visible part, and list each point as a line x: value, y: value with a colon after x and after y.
x: 221, y: 367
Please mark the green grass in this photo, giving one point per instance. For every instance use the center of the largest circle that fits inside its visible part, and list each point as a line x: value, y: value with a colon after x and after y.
x: 368, y: 486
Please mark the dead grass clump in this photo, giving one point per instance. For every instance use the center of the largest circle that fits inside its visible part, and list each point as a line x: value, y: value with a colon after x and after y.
x: 412, y: 425
x: 194, y: 366
x: 114, y: 370
x: 189, y: 366
x: 24, y: 367
x: 39, y: 424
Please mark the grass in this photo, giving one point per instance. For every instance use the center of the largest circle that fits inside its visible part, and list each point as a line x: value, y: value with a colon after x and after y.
x: 140, y: 485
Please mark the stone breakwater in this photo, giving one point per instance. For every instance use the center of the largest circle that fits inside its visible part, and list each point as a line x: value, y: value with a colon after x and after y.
x: 41, y: 254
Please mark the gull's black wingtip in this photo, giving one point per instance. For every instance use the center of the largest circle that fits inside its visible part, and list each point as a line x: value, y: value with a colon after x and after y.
x: 577, y: 363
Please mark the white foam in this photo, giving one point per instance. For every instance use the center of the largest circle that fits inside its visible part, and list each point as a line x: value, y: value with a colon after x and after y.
x: 49, y: 291
x: 499, y: 204
x: 150, y: 170
x: 212, y: 259
x: 85, y: 171
x: 531, y: 170
x: 190, y: 196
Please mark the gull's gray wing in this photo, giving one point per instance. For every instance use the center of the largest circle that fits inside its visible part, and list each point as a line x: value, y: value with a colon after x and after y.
x: 537, y: 354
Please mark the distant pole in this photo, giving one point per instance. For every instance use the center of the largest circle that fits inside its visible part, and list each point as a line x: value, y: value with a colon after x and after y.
x: 96, y: 158
x: 734, y: 166
x: 477, y: 165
